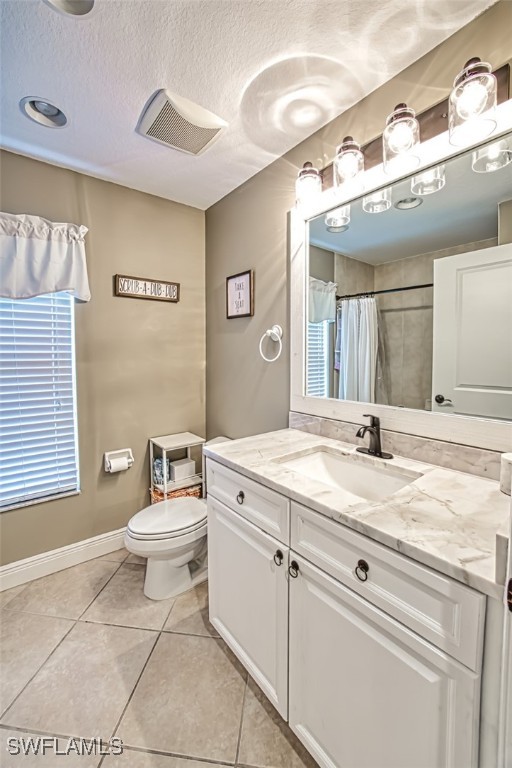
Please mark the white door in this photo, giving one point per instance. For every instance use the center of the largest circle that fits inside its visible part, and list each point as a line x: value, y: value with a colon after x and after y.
x: 366, y: 692
x: 248, y: 592
x: 505, y: 740
x: 472, y: 359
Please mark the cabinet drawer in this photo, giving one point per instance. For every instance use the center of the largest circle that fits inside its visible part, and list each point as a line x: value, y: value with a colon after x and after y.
x: 443, y: 611
x: 265, y: 508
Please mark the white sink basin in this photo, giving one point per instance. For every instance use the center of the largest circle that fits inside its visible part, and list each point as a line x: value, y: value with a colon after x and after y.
x: 357, y: 477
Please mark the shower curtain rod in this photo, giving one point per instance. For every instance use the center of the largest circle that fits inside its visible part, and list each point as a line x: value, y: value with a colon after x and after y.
x: 387, y: 290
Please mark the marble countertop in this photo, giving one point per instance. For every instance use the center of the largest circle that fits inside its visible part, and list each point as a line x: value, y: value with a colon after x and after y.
x: 445, y: 519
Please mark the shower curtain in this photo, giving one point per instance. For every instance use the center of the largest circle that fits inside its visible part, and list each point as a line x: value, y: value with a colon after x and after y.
x: 357, y: 349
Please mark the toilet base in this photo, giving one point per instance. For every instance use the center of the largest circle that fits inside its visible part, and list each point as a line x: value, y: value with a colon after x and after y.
x: 163, y: 580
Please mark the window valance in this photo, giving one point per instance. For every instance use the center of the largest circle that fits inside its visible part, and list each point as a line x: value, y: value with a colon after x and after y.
x: 38, y: 256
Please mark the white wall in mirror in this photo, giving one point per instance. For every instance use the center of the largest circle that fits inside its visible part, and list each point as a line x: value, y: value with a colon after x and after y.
x: 396, y: 239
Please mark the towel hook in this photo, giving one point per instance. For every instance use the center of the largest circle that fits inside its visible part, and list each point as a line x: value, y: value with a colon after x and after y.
x: 276, y: 334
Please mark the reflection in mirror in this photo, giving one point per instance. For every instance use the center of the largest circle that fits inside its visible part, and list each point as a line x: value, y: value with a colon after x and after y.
x: 410, y: 291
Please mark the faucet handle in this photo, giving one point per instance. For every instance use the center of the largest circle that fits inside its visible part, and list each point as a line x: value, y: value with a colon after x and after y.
x: 375, y: 421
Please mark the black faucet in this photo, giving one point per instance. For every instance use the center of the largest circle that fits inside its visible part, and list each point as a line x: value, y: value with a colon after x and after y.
x: 374, y: 431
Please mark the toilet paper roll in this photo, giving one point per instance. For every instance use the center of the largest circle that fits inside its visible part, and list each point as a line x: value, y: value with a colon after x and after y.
x: 506, y: 473
x: 119, y: 464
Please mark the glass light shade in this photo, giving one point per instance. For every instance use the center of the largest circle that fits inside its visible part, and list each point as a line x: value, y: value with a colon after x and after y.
x: 400, y: 141
x: 428, y: 182
x: 348, y: 162
x: 339, y: 219
x: 492, y: 157
x: 472, y: 104
x: 308, y: 184
x: 378, y: 202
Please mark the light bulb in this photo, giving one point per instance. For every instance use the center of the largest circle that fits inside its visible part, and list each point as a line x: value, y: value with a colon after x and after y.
x: 401, y: 137
x: 339, y: 219
x: 428, y: 182
x: 472, y: 104
x: 377, y: 202
x: 472, y: 100
x: 493, y: 157
x: 349, y: 161
x: 400, y: 141
x: 308, y: 184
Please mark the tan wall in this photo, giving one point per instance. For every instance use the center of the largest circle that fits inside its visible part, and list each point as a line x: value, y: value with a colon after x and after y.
x: 505, y: 222
x: 321, y: 264
x: 248, y: 229
x: 140, y: 363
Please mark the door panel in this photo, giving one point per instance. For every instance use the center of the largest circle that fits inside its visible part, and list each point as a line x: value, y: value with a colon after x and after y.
x: 249, y: 598
x: 364, y: 691
x: 472, y: 363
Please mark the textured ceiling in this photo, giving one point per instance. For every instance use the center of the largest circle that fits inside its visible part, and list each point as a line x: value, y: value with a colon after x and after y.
x: 276, y: 70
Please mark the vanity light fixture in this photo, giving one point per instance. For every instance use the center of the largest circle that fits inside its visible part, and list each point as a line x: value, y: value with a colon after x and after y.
x: 493, y: 157
x: 472, y: 104
x: 428, y: 182
x: 308, y: 184
x: 378, y: 202
x: 348, y: 162
x: 43, y: 112
x: 400, y: 140
x: 408, y: 202
x: 338, y: 220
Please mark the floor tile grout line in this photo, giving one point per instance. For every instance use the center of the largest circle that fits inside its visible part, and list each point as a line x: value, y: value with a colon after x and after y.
x: 205, y: 760
x: 40, y: 615
x: 40, y: 732
x: 101, y: 590
x: 4, y: 713
x: 75, y: 622
x: 130, y: 697
x: 50, y: 615
x: 237, y: 754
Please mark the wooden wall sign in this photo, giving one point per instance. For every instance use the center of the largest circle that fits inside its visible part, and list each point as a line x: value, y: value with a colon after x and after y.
x: 143, y: 288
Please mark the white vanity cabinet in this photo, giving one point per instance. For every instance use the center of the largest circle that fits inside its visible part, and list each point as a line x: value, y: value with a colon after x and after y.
x: 248, y: 579
x: 366, y: 692
x: 379, y: 673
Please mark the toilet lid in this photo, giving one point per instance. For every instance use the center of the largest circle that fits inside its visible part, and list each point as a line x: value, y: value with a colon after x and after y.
x: 172, y: 516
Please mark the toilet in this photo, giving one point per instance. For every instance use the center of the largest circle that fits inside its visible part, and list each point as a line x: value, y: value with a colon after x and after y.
x: 171, y: 534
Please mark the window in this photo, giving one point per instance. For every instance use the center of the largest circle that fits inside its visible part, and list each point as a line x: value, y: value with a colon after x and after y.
x: 38, y: 433
x: 318, y: 371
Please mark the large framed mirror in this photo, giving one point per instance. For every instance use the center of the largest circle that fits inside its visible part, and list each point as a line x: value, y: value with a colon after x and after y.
x: 405, y: 302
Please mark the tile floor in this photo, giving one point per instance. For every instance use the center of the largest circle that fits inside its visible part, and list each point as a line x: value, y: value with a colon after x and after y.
x: 83, y: 654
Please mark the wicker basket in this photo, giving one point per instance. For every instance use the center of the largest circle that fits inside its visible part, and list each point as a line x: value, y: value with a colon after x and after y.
x: 193, y: 491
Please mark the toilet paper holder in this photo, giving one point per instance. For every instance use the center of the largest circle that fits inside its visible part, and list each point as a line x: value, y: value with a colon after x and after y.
x: 123, y: 453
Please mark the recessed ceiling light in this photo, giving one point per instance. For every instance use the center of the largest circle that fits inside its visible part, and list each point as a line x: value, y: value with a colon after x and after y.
x: 71, y: 7
x: 43, y: 112
x: 408, y: 202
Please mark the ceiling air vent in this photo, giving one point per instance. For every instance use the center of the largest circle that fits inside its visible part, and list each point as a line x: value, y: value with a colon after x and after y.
x: 179, y: 123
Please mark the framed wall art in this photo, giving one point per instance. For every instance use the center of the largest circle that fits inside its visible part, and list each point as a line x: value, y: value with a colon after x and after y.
x: 240, y: 295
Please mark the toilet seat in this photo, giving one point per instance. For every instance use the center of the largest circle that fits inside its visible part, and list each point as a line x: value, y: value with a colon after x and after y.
x: 168, y: 519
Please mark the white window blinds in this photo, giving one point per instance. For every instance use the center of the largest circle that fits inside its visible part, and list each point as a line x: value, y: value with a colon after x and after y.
x: 38, y: 434
x: 318, y: 360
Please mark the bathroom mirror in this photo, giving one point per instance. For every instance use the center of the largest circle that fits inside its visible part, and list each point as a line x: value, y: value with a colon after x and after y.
x: 409, y: 291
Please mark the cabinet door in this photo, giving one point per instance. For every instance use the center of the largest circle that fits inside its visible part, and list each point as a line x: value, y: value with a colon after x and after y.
x: 249, y: 598
x: 365, y: 691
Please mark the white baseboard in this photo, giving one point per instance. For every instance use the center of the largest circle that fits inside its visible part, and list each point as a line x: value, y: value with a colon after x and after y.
x: 21, y: 571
